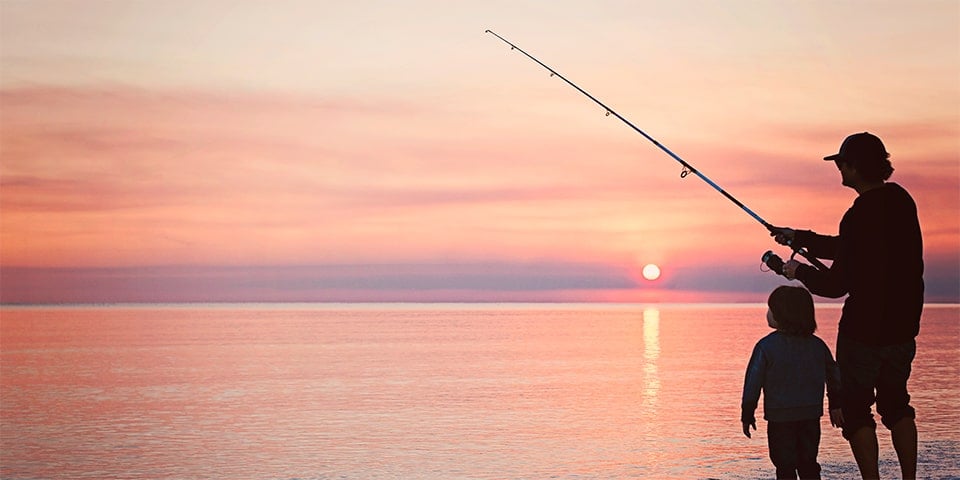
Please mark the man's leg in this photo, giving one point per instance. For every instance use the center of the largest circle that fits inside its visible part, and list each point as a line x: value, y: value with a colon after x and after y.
x: 904, y: 435
x: 859, y: 369
x: 893, y: 404
x: 866, y: 452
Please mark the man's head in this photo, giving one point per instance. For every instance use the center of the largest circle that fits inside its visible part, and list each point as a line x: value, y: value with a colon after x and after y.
x: 865, y: 153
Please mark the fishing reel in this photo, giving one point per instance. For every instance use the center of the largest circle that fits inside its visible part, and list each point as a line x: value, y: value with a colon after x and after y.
x: 773, y: 262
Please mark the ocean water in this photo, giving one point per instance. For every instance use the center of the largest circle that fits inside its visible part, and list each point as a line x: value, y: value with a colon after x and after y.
x: 414, y: 391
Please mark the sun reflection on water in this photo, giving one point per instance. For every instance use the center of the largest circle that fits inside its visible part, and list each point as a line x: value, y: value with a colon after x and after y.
x: 651, y: 355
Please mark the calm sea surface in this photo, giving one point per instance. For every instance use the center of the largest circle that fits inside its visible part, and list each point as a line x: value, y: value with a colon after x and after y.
x: 415, y: 391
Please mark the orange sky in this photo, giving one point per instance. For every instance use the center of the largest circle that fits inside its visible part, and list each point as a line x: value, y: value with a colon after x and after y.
x: 168, y: 151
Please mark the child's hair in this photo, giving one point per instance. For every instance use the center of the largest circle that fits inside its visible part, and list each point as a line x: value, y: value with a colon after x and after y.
x: 792, y: 309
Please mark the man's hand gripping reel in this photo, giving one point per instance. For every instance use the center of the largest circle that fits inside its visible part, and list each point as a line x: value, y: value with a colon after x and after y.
x: 775, y: 263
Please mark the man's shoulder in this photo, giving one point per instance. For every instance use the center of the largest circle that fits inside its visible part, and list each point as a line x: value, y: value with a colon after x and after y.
x: 899, y: 192
x: 891, y: 198
x: 892, y: 190
x: 882, y: 199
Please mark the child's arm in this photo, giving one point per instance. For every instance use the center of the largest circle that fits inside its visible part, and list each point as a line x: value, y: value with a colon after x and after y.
x: 833, y: 388
x: 752, y: 384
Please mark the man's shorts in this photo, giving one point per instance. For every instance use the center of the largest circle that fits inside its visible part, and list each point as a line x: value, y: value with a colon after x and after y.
x: 871, y: 374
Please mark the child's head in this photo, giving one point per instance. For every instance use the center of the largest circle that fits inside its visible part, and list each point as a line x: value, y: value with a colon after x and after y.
x: 792, y: 310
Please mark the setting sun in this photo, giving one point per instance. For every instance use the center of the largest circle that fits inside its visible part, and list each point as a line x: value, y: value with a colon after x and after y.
x: 651, y: 271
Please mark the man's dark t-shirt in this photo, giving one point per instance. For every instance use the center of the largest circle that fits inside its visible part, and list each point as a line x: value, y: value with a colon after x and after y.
x: 877, y: 262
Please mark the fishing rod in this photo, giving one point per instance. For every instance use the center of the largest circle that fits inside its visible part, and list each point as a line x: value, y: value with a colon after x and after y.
x: 687, y: 168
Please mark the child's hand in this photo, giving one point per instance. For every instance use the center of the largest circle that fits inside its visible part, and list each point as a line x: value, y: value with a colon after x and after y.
x: 746, y: 427
x: 836, y: 417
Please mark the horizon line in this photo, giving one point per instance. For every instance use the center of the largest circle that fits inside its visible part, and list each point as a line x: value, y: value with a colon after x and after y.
x: 828, y: 302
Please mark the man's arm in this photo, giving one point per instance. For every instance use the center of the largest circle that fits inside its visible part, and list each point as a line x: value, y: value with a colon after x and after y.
x: 825, y: 283
x: 819, y: 246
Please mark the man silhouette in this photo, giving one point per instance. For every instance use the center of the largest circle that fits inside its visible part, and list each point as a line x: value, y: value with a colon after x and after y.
x: 878, y: 263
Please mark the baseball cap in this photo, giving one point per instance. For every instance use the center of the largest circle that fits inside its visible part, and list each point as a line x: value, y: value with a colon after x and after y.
x: 860, y: 145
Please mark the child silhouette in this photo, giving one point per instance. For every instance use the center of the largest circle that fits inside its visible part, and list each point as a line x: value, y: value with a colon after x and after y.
x: 791, y: 365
